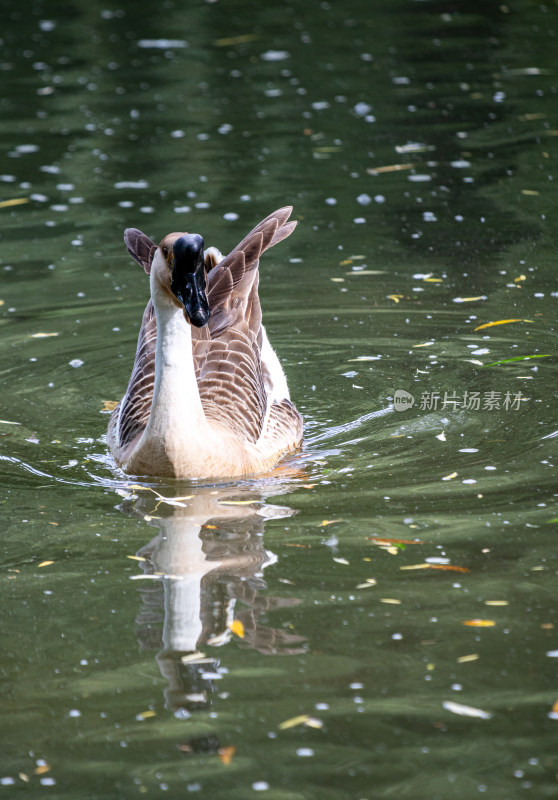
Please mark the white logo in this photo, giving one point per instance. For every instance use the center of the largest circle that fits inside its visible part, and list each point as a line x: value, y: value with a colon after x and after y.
x: 402, y: 400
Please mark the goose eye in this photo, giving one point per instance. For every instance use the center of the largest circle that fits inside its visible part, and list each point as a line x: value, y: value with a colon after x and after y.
x: 165, y: 251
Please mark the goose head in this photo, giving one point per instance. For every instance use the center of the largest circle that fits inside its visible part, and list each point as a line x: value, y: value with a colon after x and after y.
x: 178, y: 269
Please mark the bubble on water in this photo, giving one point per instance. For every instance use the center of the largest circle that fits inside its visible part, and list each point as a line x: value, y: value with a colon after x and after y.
x: 230, y: 216
x: 76, y: 362
x: 364, y: 199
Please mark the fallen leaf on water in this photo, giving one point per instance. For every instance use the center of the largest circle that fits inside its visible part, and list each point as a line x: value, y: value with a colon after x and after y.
x: 147, y: 714
x: 338, y: 280
x: 309, y: 485
x: 531, y: 192
x: 391, y: 601
x: 479, y: 623
x: 109, y: 405
x: 16, y: 201
x: 41, y: 769
x: 46, y: 563
x: 8, y: 422
x: 369, y: 582
x: 450, y: 477
x: 555, y: 708
x: 341, y: 561
x: 228, y: 40
x: 23, y: 777
x: 225, y: 754
x: 235, y: 502
x: 469, y: 299
x: 466, y: 659
x: 500, y: 322
x: 302, y: 719
x: 42, y: 335
x: 381, y: 540
x: 520, y: 278
x: 388, y: 168
x: 447, y: 567
x: 496, y: 603
x: 517, y: 358
x: 396, y: 297
x: 325, y: 522
x: 237, y: 628
x: 433, y: 280
x: 137, y: 558
x: 466, y: 711
x: 425, y: 344
x: 346, y: 262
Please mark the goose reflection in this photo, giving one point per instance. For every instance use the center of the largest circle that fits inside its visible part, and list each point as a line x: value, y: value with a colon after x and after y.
x: 207, y: 563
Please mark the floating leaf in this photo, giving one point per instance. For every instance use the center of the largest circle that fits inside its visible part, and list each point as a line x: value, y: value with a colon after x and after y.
x: 147, y: 714
x: 225, y: 754
x: 479, y: 623
x: 341, y: 561
x: 46, y: 563
x: 109, y: 405
x: 466, y: 659
x: 446, y: 567
x: 389, y: 168
x: 41, y: 769
x: 520, y: 278
x: 302, y: 719
x: 16, y: 201
x: 237, y: 628
x: 325, y: 522
x: 469, y: 299
x: 369, y: 582
x: 137, y: 558
x: 392, y: 601
x: 500, y: 322
x: 43, y: 335
x: 381, y: 541
x: 530, y: 192
x: 229, y: 40
x: 395, y: 297
x: 450, y: 477
x: 425, y: 344
x: 338, y: 280
x: 496, y: 603
x: 517, y: 358
x: 466, y: 711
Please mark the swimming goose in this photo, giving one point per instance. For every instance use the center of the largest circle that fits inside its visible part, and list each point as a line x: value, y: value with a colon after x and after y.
x: 207, y: 397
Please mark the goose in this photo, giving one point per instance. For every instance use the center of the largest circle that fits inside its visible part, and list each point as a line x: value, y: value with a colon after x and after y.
x: 207, y: 397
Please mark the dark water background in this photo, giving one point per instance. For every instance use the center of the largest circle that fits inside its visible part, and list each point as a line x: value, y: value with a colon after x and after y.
x: 417, y: 142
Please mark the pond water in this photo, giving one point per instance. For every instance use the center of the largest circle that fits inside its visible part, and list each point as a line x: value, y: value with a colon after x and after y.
x: 378, y: 617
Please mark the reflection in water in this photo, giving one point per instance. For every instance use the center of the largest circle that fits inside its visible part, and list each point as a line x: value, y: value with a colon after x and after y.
x: 207, y: 563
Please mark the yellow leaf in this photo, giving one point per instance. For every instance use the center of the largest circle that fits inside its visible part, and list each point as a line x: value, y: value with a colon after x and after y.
x: 395, y: 297
x: 389, y: 168
x: 479, y: 623
x: 226, y: 754
x: 137, y: 558
x: 325, y: 522
x: 520, y: 278
x: 237, y: 628
x: 466, y: 659
x: 425, y: 344
x: 469, y: 299
x: 237, y: 502
x: 109, y: 405
x: 433, y: 280
x: 46, y: 563
x: 450, y: 477
x: 555, y: 708
x: 338, y: 280
x: 302, y: 719
x: 41, y: 769
x: 211, y: 527
x: 500, y: 322
x: 390, y: 601
x: 147, y: 714
x: 496, y: 603
x: 530, y: 192
x: 346, y: 262
x: 309, y: 485
x: 16, y: 201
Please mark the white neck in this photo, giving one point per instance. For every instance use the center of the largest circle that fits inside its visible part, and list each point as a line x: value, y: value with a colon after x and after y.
x: 176, y: 411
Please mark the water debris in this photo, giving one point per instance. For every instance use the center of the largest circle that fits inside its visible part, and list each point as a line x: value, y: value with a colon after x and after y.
x: 479, y: 623
x: 466, y: 711
x: 530, y: 192
x: 146, y: 714
x: 237, y: 628
x: 341, y: 561
x: 389, y: 168
x: 225, y: 754
x: 302, y: 719
x: 45, y: 563
x: 171, y: 501
x: 15, y: 201
x: 237, y: 502
x: 147, y: 576
x: 425, y: 344
x: 43, y: 335
x: 414, y: 147
x: 369, y: 583
x: 137, y: 558
x: 469, y: 299
x: 441, y: 437
x: 496, y: 603
x: 8, y: 422
x: 500, y: 322
x: 390, y: 601
x: 195, y: 657
x: 466, y: 659
x: 230, y: 40
x: 325, y: 522
x: 450, y: 477
x: 162, y: 44
x: 517, y: 358
x: 447, y: 567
